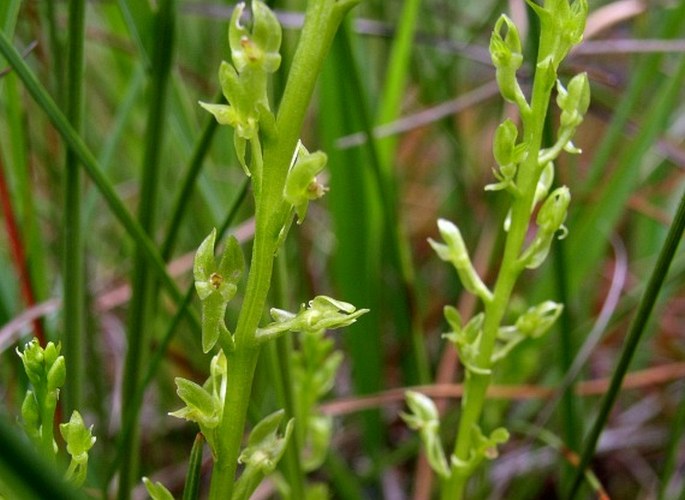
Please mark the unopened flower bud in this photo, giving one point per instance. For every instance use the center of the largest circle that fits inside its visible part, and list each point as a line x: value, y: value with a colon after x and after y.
x: 553, y: 211
x: 504, y: 143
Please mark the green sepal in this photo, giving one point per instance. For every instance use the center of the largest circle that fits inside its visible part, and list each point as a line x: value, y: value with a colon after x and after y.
x: 504, y: 143
x: 423, y: 417
x: 201, y: 406
x: 157, y: 491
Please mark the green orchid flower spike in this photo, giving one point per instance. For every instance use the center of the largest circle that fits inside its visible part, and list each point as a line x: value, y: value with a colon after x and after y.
x: 526, y: 171
x: 216, y: 284
x: 314, y: 367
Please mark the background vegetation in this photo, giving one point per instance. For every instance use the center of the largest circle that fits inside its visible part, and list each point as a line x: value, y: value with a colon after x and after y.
x: 405, y: 109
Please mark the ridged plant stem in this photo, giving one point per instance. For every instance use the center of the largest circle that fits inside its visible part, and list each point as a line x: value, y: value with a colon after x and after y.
x: 144, y: 285
x: 74, y: 259
x: 635, y: 334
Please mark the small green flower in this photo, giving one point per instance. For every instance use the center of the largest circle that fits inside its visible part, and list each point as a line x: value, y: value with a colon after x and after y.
x: 575, y: 101
x: 424, y: 419
x: 550, y: 220
x: 507, y: 58
x: 216, y: 284
x: 257, y: 48
x: 321, y: 313
x: 454, y: 251
x: 264, y: 449
x: 301, y: 185
x: 538, y: 319
x: 80, y: 440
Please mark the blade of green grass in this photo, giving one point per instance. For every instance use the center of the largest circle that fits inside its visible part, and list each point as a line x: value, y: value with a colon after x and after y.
x: 355, y: 211
x: 73, y: 290
x: 635, y: 333
x: 191, y: 490
x: 390, y: 107
x: 138, y: 17
x: 144, y: 285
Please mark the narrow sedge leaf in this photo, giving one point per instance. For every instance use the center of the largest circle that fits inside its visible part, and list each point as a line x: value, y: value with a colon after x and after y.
x: 191, y: 490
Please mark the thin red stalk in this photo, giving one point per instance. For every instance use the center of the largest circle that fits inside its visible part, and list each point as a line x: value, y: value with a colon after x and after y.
x: 18, y: 253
